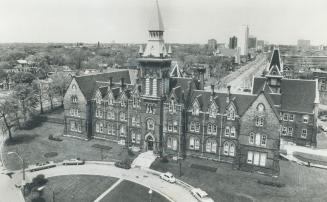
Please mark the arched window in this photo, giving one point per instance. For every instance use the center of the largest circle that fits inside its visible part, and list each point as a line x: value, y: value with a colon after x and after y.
x: 122, y: 116
x: 261, y: 107
x: 74, y: 99
x: 147, y: 86
x: 231, y: 114
x: 172, y: 107
x: 122, y: 130
x: 110, y: 99
x: 229, y: 149
x: 232, y: 131
x: 74, y: 87
x: 194, y: 143
x: 172, y: 143
x: 196, y: 109
x: 214, y: 129
x: 98, y: 98
x: 150, y: 124
x: 227, y: 131
x: 211, y: 146
x: 213, y: 111
x: 251, y: 138
x: 154, y: 87
x: 209, y: 128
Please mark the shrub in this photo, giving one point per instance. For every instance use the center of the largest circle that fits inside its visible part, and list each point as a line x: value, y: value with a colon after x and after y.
x: 130, y: 152
x: 39, y: 180
x: 164, y: 159
x: 271, y: 183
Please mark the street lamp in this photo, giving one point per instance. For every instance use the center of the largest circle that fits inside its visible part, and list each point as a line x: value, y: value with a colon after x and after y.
x: 150, y: 195
x: 23, y: 165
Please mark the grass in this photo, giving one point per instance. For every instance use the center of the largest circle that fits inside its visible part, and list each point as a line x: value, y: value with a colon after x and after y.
x: 33, y: 144
x: 227, y: 184
x: 73, y: 188
x: 128, y: 191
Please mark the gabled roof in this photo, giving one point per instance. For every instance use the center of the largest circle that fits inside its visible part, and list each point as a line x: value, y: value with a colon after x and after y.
x: 156, y: 23
x: 176, y: 71
x: 257, y: 85
x: 87, y: 83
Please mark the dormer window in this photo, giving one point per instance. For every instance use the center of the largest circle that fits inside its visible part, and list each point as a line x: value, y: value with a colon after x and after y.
x: 110, y: 99
x: 150, y: 124
x: 231, y: 114
x: 196, y: 109
x: 74, y: 99
x: 213, y: 111
x: 98, y: 98
x: 172, y: 106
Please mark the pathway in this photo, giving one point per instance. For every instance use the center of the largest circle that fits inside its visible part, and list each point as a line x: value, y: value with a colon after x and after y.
x: 144, y: 160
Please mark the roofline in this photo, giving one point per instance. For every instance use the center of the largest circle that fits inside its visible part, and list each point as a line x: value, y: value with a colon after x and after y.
x: 118, y: 70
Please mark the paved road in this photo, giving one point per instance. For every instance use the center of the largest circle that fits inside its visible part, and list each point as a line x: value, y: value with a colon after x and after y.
x: 145, y: 177
x: 243, y: 77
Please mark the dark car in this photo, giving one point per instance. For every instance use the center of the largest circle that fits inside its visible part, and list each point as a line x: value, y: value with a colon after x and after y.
x: 123, y: 164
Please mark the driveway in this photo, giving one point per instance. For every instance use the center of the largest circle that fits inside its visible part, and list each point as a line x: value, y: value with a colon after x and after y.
x: 145, y: 177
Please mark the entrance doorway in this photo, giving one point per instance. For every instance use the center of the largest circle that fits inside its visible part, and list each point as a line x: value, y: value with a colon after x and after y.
x: 149, y: 142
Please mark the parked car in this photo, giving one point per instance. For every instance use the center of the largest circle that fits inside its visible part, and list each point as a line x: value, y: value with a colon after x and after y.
x: 73, y: 162
x: 123, y: 164
x: 42, y: 166
x: 168, y: 177
x: 201, y: 195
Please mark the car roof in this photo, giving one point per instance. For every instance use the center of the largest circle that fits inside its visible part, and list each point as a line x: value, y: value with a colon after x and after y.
x: 200, y: 192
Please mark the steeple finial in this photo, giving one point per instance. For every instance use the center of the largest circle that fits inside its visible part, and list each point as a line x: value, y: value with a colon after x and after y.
x: 156, y: 23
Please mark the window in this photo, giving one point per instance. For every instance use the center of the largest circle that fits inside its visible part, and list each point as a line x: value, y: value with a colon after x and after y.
x: 231, y: 114
x: 227, y: 131
x: 111, y: 129
x: 192, y: 126
x: 305, y: 119
x: 259, y: 121
x: 147, y: 86
x: 256, y: 158
x: 251, y: 138
x: 98, y: 113
x: 264, y: 140
x: 209, y: 129
x: 99, y: 127
x: 214, y: 129
x: 284, y: 131
x: 133, y: 137
x: 257, y: 139
x: 133, y: 121
x: 229, y: 149
x: 74, y: 99
x: 291, y: 118
x: 154, y: 87
x: 149, y: 109
x: 75, y: 127
x: 290, y: 131
x: 74, y: 112
x: 260, y: 107
x: 150, y: 124
x: 304, y: 133
x: 172, y: 143
x: 232, y: 131
x: 194, y: 143
x: 197, y: 127
x: 122, y: 130
x: 171, y: 106
x: 123, y: 102
x: 175, y: 129
x: 74, y: 87
x: 136, y: 102
x: 196, y: 109
x: 170, y: 126
x: 98, y: 98
x: 122, y: 116
x: 285, y: 117
x: 211, y: 146
x: 110, y: 115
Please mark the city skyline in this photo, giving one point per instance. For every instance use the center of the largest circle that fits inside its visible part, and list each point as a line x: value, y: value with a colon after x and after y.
x: 279, y: 22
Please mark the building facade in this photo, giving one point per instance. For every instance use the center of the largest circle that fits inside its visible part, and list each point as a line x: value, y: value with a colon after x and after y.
x: 175, y: 116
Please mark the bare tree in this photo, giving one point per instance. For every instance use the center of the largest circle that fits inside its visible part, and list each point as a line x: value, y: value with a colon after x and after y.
x: 8, y: 114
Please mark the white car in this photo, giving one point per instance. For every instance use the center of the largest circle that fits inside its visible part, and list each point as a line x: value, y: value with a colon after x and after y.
x: 73, y: 162
x: 168, y: 177
x: 201, y: 195
x: 41, y: 166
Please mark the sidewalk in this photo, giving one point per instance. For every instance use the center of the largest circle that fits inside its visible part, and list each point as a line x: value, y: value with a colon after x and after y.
x: 144, y: 160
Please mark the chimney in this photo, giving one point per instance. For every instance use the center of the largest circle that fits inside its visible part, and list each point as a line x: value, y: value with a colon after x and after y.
x: 122, y: 84
x: 229, y: 94
x: 212, y: 90
x: 110, y: 82
x: 201, y: 71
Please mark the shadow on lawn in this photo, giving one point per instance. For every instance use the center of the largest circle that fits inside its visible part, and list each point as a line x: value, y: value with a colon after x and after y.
x: 19, y: 139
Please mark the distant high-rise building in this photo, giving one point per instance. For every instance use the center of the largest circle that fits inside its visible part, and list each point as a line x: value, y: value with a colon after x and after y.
x: 243, y: 39
x: 260, y: 44
x: 212, y: 44
x: 232, y: 42
x: 303, y: 44
x: 252, y: 42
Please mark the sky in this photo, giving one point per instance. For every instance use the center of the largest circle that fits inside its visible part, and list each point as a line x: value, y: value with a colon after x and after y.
x: 186, y: 21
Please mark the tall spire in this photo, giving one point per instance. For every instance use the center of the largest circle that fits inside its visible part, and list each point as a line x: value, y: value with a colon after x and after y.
x: 156, y: 23
x: 276, y: 60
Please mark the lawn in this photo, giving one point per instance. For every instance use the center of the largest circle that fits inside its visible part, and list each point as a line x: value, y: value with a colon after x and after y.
x: 227, y: 184
x: 33, y: 145
x: 73, y: 188
x: 128, y: 191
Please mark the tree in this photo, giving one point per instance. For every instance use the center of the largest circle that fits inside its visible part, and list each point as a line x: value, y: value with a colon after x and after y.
x: 23, y: 77
x: 8, y: 114
x: 27, y: 98
x: 60, y: 83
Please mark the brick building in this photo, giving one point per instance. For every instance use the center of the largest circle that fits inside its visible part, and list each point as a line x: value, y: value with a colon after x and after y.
x: 172, y: 115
